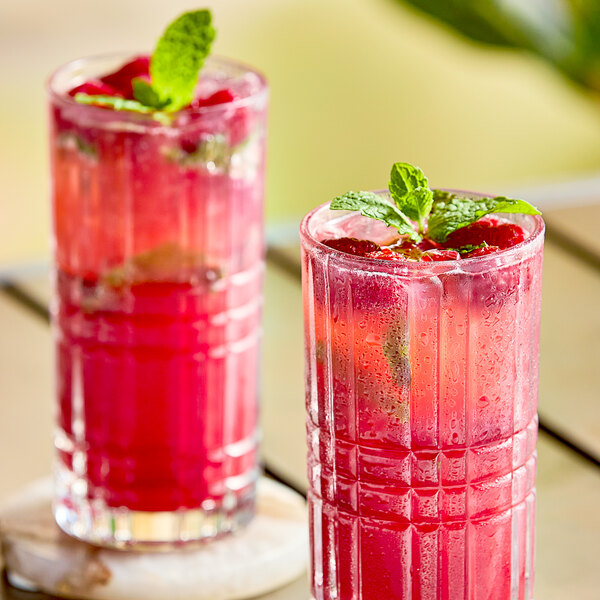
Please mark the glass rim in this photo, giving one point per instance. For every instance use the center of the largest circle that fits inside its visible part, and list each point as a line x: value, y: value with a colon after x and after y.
x: 477, y: 263
x: 62, y: 98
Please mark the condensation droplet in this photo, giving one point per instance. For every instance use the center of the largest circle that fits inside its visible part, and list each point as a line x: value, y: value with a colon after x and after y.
x: 483, y: 402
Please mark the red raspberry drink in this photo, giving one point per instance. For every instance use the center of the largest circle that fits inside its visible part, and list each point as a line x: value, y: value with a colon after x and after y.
x: 421, y: 401
x: 158, y: 226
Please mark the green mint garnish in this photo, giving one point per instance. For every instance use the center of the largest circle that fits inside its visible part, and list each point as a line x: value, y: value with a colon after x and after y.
x: 454, y: 213
x: 174, y: 68
x: 146, y: 95
x: 167, y: 262
x: 410, y: 191
x: 115, y: 102
x: 212, y: 149
x: 178, y: 58
x: 396, y: 350
x: 470, y: 248
x: 419, y: 211
x: 68, y: 139
x: 374, y: 206
x: 118, y: 103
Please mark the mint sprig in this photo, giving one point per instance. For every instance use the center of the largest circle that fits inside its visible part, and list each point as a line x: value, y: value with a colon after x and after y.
x: 174, y: 68
x: 455, y: 212
x: 410, y: 190
x: 118, y: 103
x: 374, y: 206
x: 419, y: 211
x: 471, y: 247
x: 178, y: 58
x: 146, y: 94
x: 115, y: 102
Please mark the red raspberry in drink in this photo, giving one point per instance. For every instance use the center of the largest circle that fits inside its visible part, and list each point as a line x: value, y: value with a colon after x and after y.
x: 121, y: 79
x: 486, y: 231
x: 428, y: 244
x: 353, y: 246
x: 95, y: 87
x: 219, y: 97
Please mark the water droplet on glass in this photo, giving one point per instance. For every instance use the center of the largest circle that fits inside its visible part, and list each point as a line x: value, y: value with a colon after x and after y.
x: 483, y: 402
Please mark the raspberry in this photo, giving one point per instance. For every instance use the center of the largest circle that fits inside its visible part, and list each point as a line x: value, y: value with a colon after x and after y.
x: 493, y: 221
x: 435, y: 255
x: 387, y: 254
x: 189, y: 146
x: 491, y: 232
x: 95, y: 87
x: 481, y: 251
x: 120, y: 80
x: 427, y: 244
x: 352, y: 246
x: 507, y: 235
x: 239, y: 122
x: 220, y: 97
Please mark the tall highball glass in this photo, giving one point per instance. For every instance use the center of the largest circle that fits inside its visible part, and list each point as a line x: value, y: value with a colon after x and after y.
x: 421, y: 397
x: 159, y: 260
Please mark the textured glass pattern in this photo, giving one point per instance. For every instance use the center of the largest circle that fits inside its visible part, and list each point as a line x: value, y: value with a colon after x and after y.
x: 421, y: 393
x: 159, y: 255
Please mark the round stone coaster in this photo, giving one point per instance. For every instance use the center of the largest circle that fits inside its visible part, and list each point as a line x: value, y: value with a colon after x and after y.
x: 270, y: 552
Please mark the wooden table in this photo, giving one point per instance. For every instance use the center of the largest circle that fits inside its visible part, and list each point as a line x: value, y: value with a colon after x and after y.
x: 568, y: 518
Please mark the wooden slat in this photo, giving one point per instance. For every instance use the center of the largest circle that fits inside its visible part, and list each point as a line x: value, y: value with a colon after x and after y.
x: 580, y: 223
x: 567, y: 525
x: 37, y: 287
x: 26, y: 401
x: 283, y: 378
x: 570, y: 348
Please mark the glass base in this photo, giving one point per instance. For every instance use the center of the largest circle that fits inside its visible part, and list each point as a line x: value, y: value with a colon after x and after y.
x: 92, y: 521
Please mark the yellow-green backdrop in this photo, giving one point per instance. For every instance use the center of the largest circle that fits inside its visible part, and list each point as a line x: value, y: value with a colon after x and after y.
x: 356, y: 85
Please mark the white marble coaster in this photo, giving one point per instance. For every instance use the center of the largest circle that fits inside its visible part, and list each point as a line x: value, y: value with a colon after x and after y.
x: 271, y: 551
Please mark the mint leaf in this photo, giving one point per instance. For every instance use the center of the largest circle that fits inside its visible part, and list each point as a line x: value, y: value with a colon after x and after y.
x: 439, y: 195
x: 70, y: 140
x: 118, y: 103
x: 146, y: 94
x: 396, y: 350
x: 410, y: 190
x: 374, y: 206
x: 470, y: 248
x: 453, y: 213
x: 211, y: 149
x: 167, y: 262
x: 115, y: 102
x: 178, y: 58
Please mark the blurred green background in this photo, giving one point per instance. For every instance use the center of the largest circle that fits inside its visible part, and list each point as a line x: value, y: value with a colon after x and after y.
x: 356, y: 85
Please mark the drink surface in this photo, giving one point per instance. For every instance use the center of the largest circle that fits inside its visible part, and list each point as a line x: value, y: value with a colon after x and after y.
x: 421, y: 418
x: 159, y: 254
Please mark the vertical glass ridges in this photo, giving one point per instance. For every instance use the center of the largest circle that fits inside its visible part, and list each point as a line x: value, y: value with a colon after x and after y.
x: 421, y: 423
x: 159, y: 254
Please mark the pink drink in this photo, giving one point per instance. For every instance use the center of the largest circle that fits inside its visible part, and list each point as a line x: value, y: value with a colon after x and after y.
x: 421, y: 400
x: 159, y: 264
